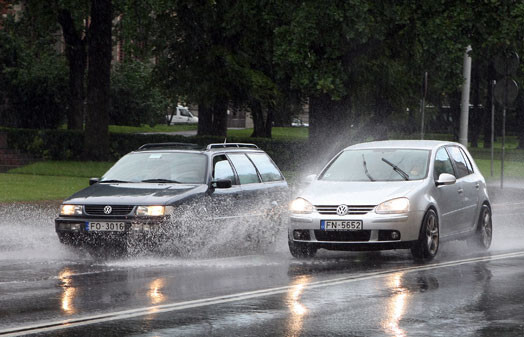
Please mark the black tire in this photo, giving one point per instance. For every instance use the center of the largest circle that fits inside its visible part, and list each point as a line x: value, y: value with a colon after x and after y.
x: 426, y: 247
x: 301, y: 250
x: 483, y: 236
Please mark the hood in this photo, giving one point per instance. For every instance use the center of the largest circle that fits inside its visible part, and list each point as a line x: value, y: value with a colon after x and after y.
x: 356, y: 192
x: 135, y: 194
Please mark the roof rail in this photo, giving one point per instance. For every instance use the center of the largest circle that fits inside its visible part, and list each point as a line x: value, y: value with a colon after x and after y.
x: 237, y: 145
x: 173, y: 145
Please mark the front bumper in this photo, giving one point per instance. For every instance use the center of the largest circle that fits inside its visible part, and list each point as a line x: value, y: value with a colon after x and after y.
x: 75, y: 230
x: 379, y: 231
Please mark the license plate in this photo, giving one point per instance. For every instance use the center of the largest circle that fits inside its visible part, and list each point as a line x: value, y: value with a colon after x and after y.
x: 341, y: 225
x: 106, y: 226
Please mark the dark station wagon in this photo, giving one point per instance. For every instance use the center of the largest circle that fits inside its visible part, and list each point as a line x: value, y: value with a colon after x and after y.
x: 161, y: 191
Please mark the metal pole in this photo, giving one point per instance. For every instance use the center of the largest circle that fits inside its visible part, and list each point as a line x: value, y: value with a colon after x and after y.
x: 464, y: 113
x: 503, y: 145
x: 422, y: 123
x: 423, y: 103
x: 492, y: 123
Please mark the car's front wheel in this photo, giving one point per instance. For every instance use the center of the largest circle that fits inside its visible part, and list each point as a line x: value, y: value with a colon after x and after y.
x: 483, y: 235
x: 301, y: 250
x: 426, y: 247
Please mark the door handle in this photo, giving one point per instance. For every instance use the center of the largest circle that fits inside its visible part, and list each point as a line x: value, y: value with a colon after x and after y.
x: 477, y: 185
x: 460, y: 190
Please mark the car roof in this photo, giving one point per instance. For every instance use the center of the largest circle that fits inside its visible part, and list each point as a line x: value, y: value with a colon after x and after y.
x: 402, y: 144
x: 194, y: 148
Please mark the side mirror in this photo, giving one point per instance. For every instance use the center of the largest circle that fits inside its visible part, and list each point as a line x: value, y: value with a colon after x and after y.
x: 221, y: 183
x: 446, y: 179
x: 93, y: 181
x: 310, y: 178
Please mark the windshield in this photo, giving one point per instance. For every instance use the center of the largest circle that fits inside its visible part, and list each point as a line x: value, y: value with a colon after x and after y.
x: 378, y: 165
x: 159, y: 167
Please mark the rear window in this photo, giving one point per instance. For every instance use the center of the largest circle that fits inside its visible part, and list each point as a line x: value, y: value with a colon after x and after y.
x: 268, y: 171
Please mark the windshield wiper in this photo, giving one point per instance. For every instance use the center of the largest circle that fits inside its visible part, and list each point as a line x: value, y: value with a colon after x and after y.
x: 396, y: 169
x: 113, y: 181
x: 160, y: 180
x: 366, y: 168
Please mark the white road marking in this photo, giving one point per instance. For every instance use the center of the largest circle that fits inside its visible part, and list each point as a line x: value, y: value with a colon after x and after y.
x: 125, y: 314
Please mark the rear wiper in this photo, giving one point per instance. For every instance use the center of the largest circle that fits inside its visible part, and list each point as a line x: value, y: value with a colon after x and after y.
x: 113, y: 181
x: 396, y: 169
x: 366, y: 168
x: 160, y: 180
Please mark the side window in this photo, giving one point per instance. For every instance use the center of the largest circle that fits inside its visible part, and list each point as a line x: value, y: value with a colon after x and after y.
x: 442, y: 164
x: 247, y: 174
x: 184, y: 112
x: 468, y: 162
x: 460, y: 161
x: 268, y: 171
x: 222, y: 169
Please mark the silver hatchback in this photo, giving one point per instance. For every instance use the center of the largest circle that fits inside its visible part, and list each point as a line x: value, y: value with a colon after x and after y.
x: 407, y: 194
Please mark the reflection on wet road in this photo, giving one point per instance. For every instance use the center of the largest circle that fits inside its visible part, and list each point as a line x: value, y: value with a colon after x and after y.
x: 48, y: 289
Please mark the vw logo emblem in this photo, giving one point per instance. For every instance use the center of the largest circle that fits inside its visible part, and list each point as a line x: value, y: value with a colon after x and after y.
x: 342, y: 210
x: 108, y: 210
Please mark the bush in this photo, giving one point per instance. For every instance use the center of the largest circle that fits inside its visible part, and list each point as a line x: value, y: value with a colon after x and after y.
x: 68, y: 145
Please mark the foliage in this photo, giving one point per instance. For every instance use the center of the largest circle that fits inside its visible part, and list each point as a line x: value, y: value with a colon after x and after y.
x: 33, y: 79
x: 134, y: 98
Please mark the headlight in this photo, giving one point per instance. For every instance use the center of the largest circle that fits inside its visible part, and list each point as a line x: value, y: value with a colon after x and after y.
x: 71, y: 210
x: 150, y: 210
x: 300, y: 206
x: 393, y: 206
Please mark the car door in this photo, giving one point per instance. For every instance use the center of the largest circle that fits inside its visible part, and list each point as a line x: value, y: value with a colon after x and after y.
x: 449, y: 197
x: 250, y: 183
x: 225, y: 200
x: 470, y: 186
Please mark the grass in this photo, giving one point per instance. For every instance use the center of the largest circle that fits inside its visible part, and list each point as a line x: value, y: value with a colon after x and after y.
x: 87, y: 169
x: 512, y: 169
x: 28, y: 187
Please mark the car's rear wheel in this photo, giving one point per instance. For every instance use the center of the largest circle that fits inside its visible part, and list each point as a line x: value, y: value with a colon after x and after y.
x: 483, y: 235
x: 301, y: 250
x: 426, y: 247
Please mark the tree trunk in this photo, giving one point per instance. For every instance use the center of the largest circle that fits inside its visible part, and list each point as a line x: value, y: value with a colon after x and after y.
x: 258, y: 119
x: 269, y: 121
x: 220, y: 119
x: 76, y: 57
x: 96, y: 140
x: 205, y: 120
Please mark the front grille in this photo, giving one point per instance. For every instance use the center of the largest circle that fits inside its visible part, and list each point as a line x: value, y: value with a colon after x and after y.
x: 342, y: 235
x: 116, y: 209
x: 352, y: 209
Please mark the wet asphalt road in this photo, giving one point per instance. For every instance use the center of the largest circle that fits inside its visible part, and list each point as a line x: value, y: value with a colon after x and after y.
x: 53, y: 291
